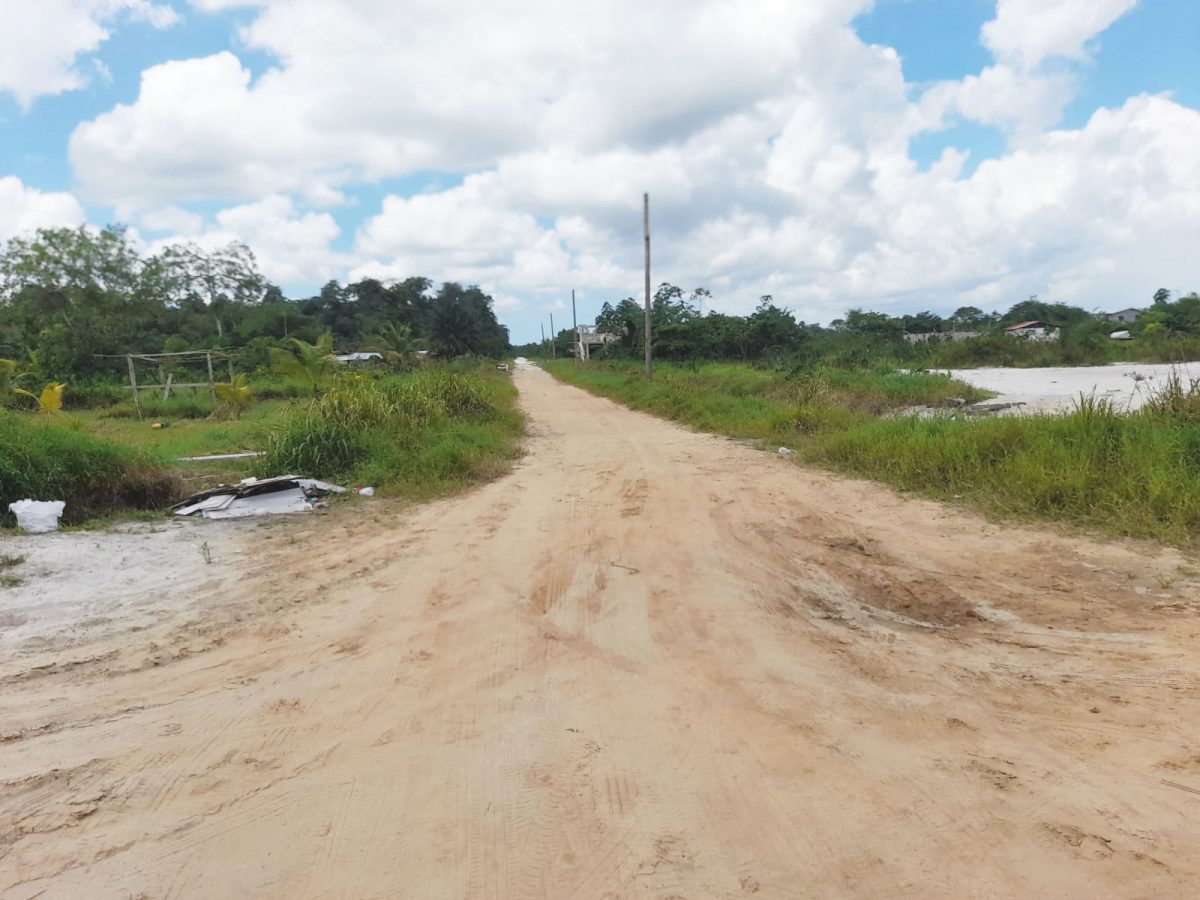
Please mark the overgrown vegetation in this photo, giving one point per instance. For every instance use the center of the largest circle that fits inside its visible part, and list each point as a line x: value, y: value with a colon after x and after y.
x: 46, y: 460
x: 768, y: 404
x: 1134, y: 474
x: 415, y: 420
x: 416, y: 435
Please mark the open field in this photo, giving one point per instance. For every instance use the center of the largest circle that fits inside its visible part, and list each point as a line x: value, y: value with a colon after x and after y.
x: 649, y: 662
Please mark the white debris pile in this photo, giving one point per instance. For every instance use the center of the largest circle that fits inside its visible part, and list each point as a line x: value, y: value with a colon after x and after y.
x: 259, y: 497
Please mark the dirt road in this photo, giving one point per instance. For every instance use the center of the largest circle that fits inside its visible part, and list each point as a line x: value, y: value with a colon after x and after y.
x: 648, y: 663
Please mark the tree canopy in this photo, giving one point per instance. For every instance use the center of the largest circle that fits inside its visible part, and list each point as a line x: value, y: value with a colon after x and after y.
x: 71, y: 296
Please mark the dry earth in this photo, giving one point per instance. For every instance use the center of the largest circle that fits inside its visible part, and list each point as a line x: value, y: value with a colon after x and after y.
x: 647, y: 663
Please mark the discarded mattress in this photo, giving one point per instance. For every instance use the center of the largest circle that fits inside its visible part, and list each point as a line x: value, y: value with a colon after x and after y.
x: 258, y: 497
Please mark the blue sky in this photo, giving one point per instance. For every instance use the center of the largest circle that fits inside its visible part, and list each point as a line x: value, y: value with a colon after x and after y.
x: 812, y: 168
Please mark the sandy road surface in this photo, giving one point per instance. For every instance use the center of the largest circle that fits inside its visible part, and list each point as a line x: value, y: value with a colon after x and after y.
x: 648, y: 663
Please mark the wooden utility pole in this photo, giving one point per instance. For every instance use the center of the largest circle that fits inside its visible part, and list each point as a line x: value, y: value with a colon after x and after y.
x: 543, y: 327
x: 646, y: 234
x: 575, y: 322
x: 553, y: 349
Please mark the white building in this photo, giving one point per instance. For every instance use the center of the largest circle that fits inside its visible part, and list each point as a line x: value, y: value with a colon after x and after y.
x: 1124, y: 316
x: 1033, y: 331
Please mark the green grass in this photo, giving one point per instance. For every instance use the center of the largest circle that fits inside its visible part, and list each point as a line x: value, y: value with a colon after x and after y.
x: 45, y: 458
x: 191, y: 437
x: 1132, y: 475
x: 417, y: 435
x: 764, y: 404
x: 7, y: 579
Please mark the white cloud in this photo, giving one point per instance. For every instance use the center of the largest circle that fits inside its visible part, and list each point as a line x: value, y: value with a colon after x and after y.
x: 291, y: 248
x: 24, y: 209
x: 1007, y: 98
x: 174, y: 219
x: 377, y: 89
x: 1029, y: 32
x: 773, y: 141
x: 40, y: 42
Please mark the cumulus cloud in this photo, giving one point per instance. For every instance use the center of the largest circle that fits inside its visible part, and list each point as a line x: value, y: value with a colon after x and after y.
x: 291, y: 247
x: 41, y: 42
x: 1028, y: 32
x: 375, y: 89
x: 24, y: 209
x: 774, y: 143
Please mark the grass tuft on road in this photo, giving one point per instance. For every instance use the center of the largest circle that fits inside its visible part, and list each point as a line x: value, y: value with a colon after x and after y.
x: 1135, y: 475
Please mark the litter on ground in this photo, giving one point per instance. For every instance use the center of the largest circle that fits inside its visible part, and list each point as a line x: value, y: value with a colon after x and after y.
x: 37, y: 516
x: 258, y: 497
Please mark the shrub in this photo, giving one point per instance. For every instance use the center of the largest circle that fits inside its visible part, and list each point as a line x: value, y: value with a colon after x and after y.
x: 94, y: 395
x: 418, y: 433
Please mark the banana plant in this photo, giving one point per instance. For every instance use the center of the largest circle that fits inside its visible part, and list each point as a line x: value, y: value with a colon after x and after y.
x: 50, y: 400
x: 304, y: 362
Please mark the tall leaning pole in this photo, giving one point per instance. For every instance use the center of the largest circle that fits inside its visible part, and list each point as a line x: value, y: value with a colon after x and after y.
x: 646, y: 236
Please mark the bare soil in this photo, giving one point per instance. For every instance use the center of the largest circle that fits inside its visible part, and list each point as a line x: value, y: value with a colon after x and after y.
x: 647, y: 663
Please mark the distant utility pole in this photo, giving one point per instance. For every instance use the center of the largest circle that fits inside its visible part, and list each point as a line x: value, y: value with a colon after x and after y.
x: 553, y: 350
x: 646, y: 234
x: 575, y: 322
x: 543, y: 327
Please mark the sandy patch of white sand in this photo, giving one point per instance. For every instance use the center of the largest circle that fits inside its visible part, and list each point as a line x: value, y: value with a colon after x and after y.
x: 1057, y: 389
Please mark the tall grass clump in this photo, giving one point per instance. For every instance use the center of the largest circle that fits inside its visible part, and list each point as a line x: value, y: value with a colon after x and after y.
x: 416, y: 434
x: 51, y: 461
x: 1135, y: 475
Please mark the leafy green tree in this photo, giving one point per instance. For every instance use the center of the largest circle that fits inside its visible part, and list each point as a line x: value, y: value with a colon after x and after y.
x: 462, y: 321
x: 966, y: 317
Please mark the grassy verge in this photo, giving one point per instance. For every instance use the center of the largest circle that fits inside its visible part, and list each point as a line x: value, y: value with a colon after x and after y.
x: 1132, y: 475
x: 44, y: 460
x: 765, y: 404
x: 416, y: 435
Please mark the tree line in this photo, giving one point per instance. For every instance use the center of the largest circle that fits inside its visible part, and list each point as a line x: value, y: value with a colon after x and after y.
x: 682, y: 330
x: 71, y: 297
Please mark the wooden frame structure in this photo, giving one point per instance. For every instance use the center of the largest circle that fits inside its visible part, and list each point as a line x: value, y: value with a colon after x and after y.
x: 166, y: 383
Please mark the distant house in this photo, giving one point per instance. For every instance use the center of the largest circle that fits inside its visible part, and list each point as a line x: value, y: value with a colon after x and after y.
x: 588, y: 337
x: 926, y: 337
x: 1033, y: 331
x: 359, y: 358
x: 1124, y: 316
